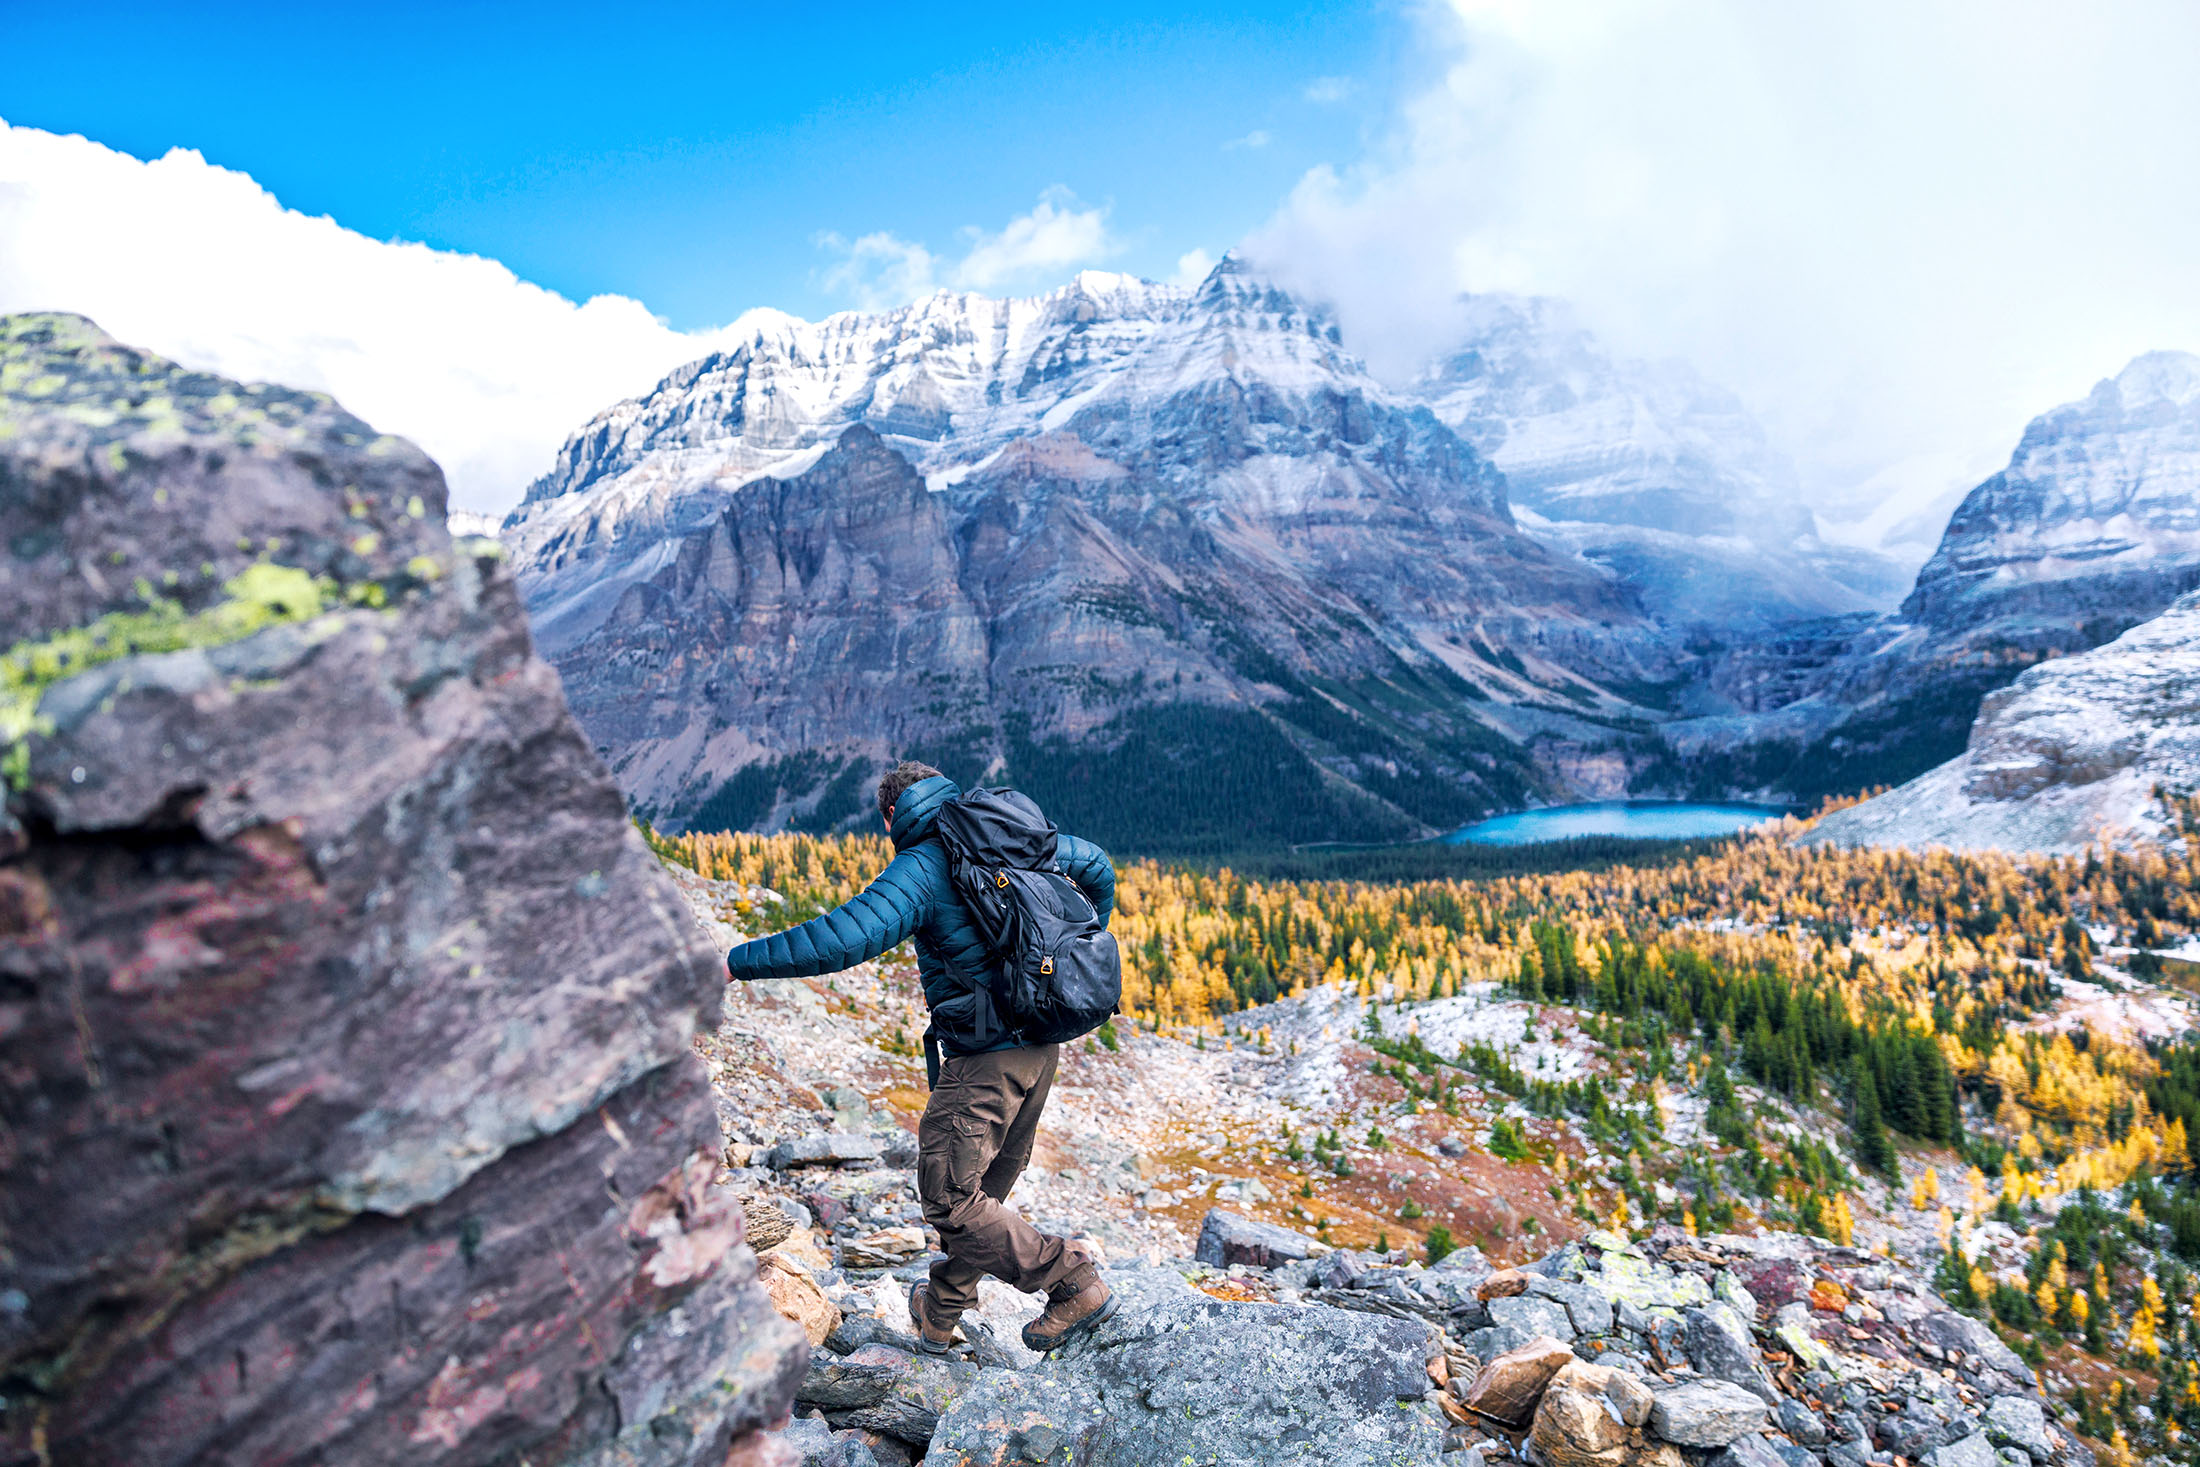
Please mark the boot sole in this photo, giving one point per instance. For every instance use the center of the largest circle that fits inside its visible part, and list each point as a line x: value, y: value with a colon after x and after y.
x: 1077, y: 1331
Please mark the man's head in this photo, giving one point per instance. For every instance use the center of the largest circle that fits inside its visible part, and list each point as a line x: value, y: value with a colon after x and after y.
x: 894, y: 781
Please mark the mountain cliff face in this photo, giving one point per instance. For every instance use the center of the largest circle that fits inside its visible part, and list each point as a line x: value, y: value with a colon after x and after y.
x: 1130, y: 529
x: 2093, y: 528
x: 2076, y: 750
x: 1646, y: 469
x: 345, y: 1036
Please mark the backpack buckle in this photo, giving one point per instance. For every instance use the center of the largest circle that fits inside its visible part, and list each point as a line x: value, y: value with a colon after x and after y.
x: 1000, y: 879
x: 1046, y: 965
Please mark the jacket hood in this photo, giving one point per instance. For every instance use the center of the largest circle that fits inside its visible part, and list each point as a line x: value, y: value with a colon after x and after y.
x: 918, y: 809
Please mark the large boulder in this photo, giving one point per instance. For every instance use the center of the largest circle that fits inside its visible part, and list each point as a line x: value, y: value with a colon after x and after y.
x: 1177, y: 1376
x: 1706, y: 1413
x: 346, y: 1072
x: 1982, y: 1348
x: 1720, y: 1345
x: 1225, y: 1238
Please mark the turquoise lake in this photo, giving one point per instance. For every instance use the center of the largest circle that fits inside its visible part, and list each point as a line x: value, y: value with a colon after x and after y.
x: 1635, y: 819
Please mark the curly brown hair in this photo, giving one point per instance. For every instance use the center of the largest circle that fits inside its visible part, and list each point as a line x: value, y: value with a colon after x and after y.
x: 897, y: 779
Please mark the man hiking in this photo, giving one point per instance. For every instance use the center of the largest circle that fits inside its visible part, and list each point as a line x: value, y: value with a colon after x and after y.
x: 989, y: 1084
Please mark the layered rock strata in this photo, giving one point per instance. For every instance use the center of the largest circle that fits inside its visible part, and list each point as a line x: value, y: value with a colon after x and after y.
x: 350, y: 1108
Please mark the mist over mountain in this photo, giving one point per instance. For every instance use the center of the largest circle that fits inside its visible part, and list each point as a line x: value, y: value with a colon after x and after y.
x: 2092, y: 529
x: 1173, y: 558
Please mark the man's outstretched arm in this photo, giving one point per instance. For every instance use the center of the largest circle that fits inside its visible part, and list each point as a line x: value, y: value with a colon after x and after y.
x: 881, y: 915
x: 1087, y: 865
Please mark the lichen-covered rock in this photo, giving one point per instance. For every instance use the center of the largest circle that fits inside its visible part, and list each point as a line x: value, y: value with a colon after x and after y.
x: 2017, y: 1421
x: 1970, y: 1451
x: 1180, y: 1375
x: 346, y: 1066
x: 1013, y: 1419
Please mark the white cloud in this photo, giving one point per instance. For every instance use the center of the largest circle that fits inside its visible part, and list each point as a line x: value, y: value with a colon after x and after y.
x: 878, y: 270
x: 1898, y: 230
x: 1034, y: 249
x: 1054, y: 238
x: 1327, y: 90
x: 1192, y: 267
x: 1257, y: 138
x: 483, y: 370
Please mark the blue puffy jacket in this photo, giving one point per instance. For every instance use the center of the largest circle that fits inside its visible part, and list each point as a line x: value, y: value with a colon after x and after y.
x: 912, y: 898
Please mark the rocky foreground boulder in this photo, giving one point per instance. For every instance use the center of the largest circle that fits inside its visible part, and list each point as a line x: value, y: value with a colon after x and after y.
x: 1669, y: 1351
x: 349, y: 1104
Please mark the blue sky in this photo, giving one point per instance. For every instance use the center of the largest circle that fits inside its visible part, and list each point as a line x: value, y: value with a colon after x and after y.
x: 1898, y: 229
x: 693, y: 156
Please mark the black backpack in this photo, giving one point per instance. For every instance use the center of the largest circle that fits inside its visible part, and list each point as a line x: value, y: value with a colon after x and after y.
x: 1059, y: 973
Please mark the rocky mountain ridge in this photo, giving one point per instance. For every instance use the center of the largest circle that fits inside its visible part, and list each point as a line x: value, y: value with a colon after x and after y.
x: 2092, y: 529
x: 1158, y: 521
x: 1204, y: 527
x: 2076, y: 751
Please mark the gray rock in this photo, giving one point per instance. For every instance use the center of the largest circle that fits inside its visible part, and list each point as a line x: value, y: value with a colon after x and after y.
x: 1186, y: 1376
x: 1801, y: 1423
x: 2018, y: 1421
x: 1498, y: 1339
x: 1628, y: 1317
x: 1706, y: 1413
x: 1970, y: 1451
x: 857, y: 1330
x: 1848, y: 1426
x: 920, y: 1390
x: 1795, y: 1456
x: 1589, y: 1311
x: 1720, y: 1345
x: 1750, y: 1450
x: 1467, y: 1261
x: 812, y: 1443
x: 864, y: 1377
x: 1225, y: 1238
x: 1728, y: 1289
x: 1566, y: 1263
x: 1916, y: 1434
x: 1014, y: 1419
x: 1532, y: 1316
x: 828, y: 1149
x: 1849, y: 1453
x: 1952, y: 1331
x: 2013, y: 1457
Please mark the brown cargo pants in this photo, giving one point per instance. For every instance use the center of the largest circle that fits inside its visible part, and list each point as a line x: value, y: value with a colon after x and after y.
x: 972, y: 1145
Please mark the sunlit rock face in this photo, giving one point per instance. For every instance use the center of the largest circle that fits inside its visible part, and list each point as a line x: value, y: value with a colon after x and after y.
x: 345, y: 1032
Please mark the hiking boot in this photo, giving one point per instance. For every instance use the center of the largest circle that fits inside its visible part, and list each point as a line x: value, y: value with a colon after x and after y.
x: 1072, y: 1312
x: 933, y: 1337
